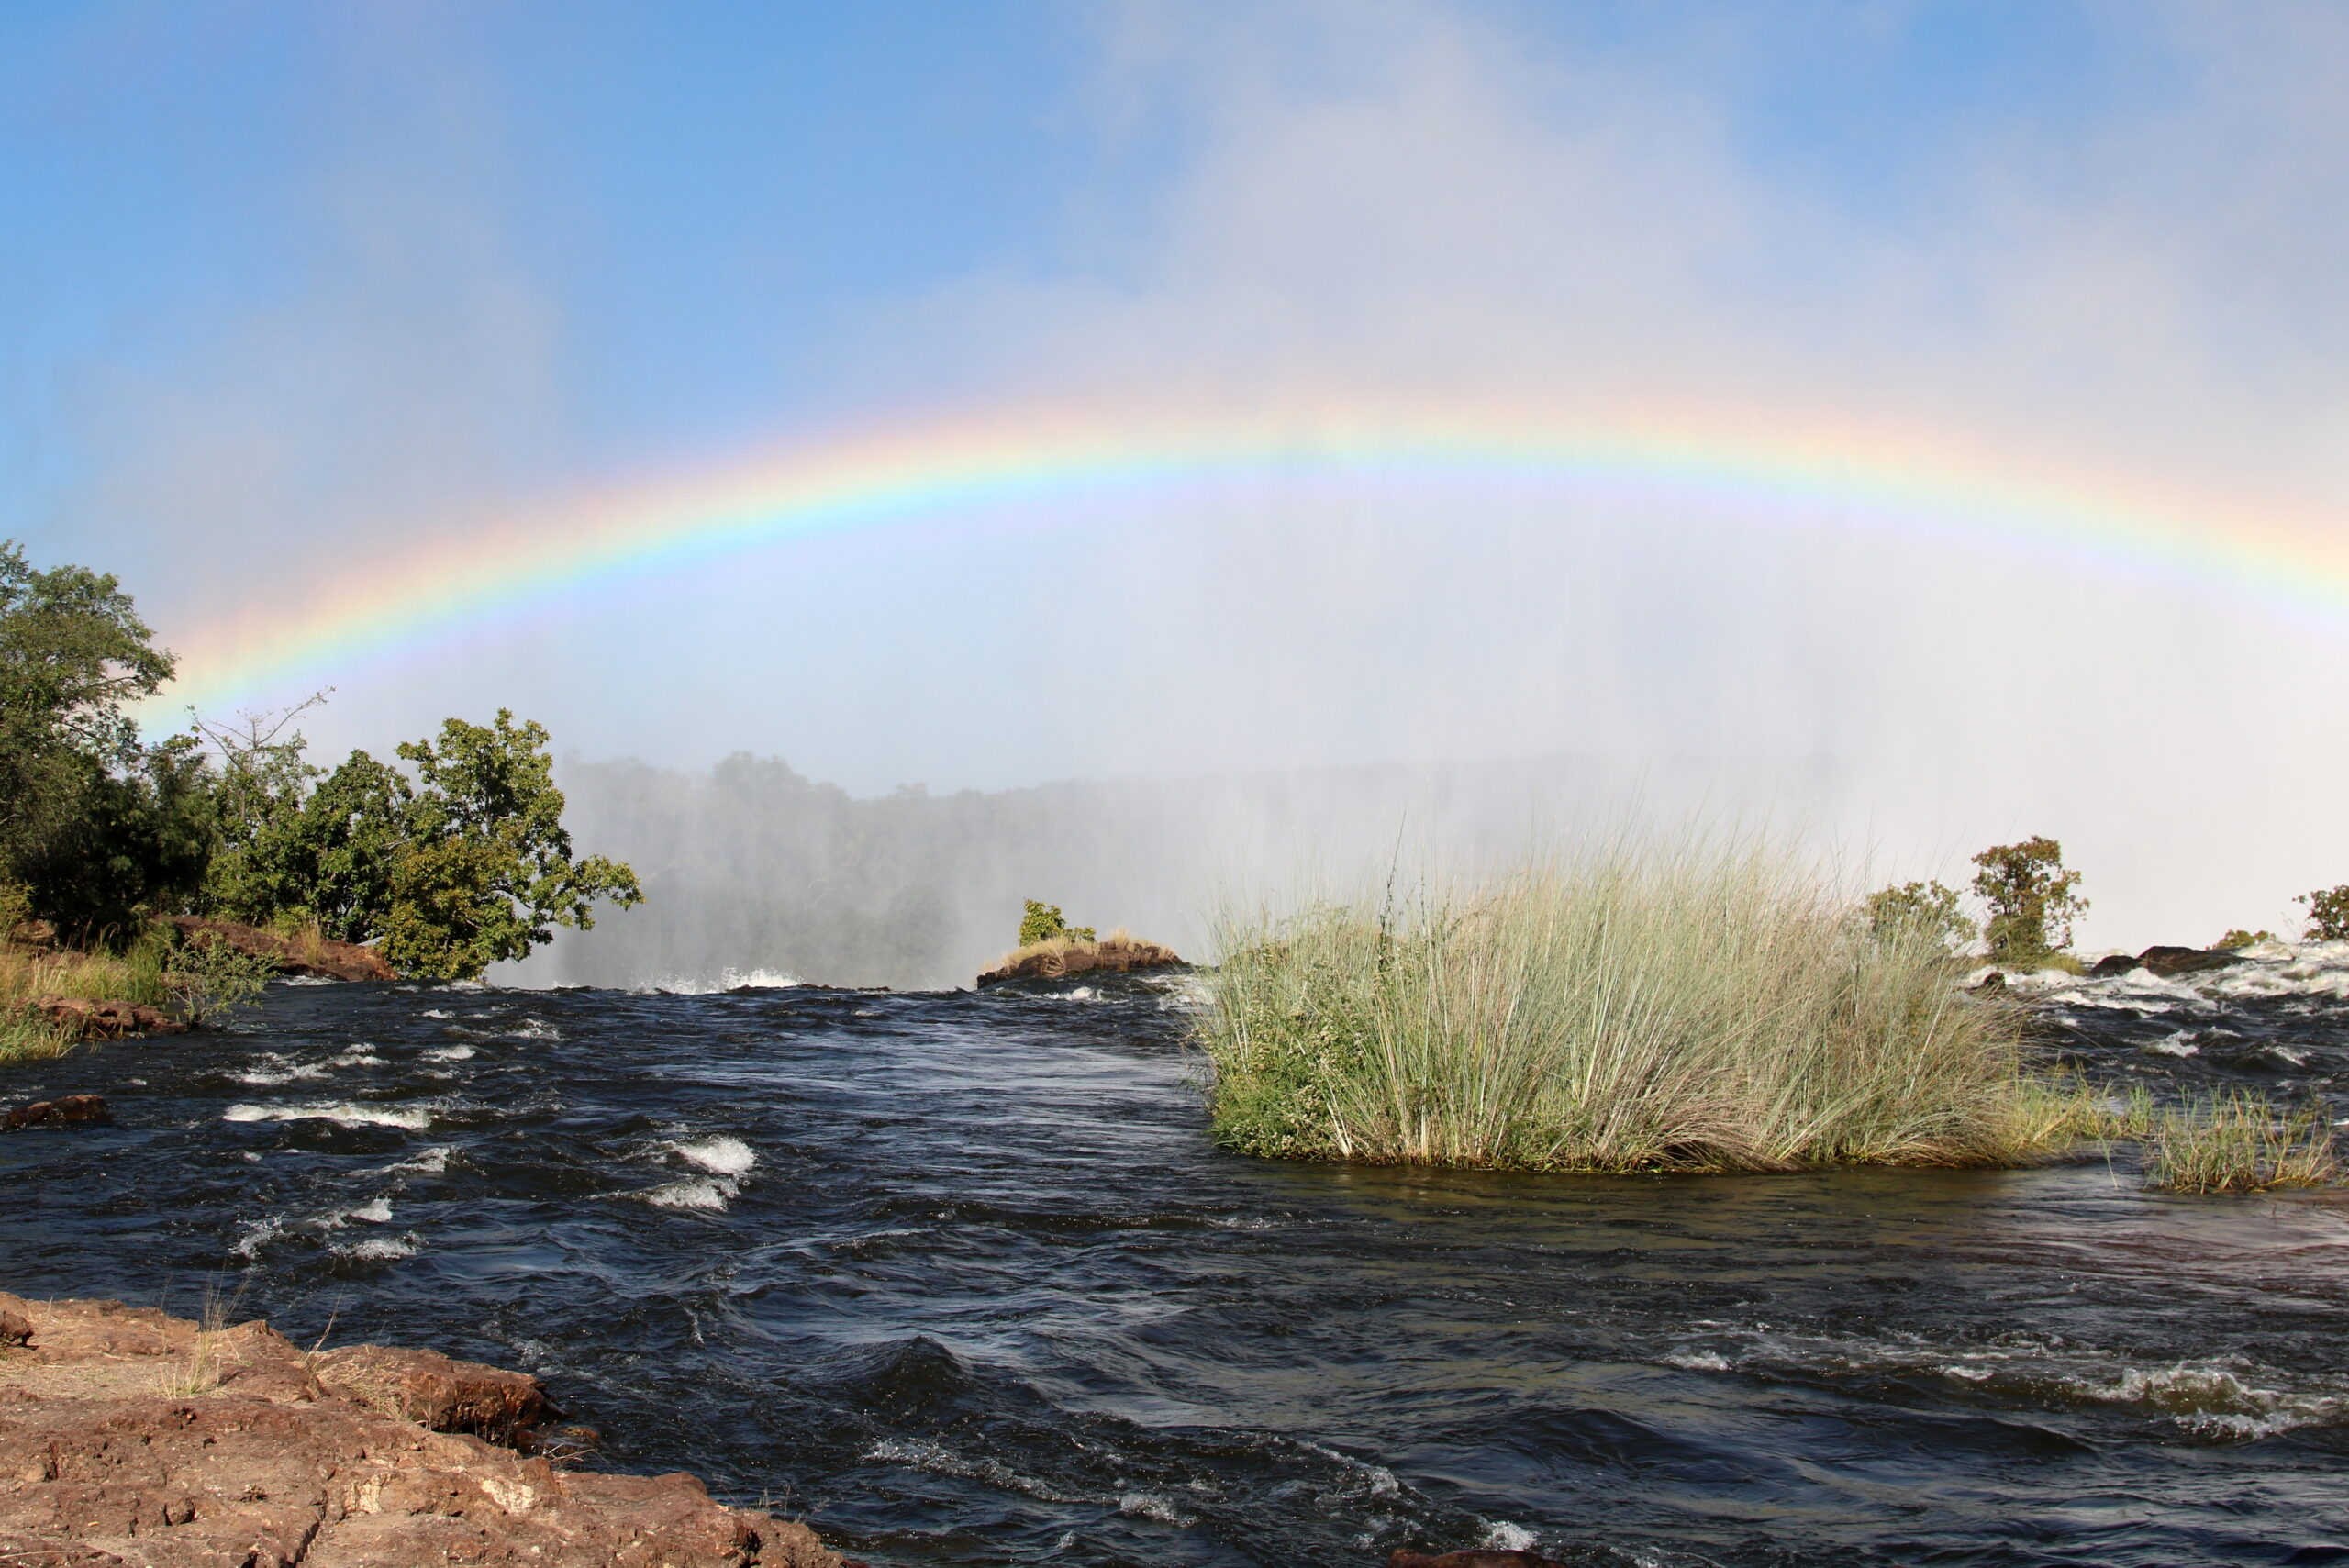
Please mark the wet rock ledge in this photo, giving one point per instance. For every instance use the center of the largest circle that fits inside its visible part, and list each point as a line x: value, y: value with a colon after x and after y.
x: 129, y: 1438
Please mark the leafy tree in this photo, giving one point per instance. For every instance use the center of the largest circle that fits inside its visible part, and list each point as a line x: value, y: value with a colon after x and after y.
x: 257, y: 873
x: 2328, y: 914
x: 2031, y: 899
x: 484, y: 869
x: 1924, y: 909
x: 1042, y: 923
x: 96, y: 827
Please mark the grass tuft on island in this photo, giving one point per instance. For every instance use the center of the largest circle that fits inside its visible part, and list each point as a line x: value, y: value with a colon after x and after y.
x: 1715, y: 1009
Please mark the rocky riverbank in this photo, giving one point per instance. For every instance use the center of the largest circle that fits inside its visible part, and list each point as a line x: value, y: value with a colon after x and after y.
x: 133, y: 1440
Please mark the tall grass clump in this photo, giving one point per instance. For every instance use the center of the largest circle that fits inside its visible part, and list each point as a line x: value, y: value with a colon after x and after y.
x: 1713, y: 1009
x: 2234, y: 1142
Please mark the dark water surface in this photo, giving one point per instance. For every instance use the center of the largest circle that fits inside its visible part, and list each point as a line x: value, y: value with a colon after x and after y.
x: 960, y: 1279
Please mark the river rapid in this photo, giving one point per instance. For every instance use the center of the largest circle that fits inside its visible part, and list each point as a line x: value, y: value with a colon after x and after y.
x: 960, y: 1279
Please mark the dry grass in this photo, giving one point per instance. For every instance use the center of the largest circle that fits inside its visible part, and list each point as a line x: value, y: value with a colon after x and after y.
x: 27, y: 972
x: 1712, y: 1009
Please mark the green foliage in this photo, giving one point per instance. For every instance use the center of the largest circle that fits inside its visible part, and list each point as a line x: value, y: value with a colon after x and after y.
x: 1042, y: 923
x: 2031, y: 899
x: 484, y: 869
x: 1925, y: 909
x: 2328, y: 914
x: 2235, y: 1142
x: 2239, y: 937
x: 1692, y: 1010
x: 97, y: 828
x: 208, y: 981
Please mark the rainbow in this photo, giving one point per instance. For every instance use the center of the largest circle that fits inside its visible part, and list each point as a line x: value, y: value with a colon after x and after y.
x: 1043, y: 466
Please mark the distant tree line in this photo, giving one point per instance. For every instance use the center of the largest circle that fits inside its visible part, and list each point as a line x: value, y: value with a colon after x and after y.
x: 458, y: 860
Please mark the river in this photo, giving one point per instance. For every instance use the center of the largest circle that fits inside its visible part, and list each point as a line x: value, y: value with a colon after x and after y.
x: 960, y: 1279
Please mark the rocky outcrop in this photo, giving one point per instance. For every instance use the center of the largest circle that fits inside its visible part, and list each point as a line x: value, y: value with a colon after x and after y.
x: 105, y: 1020
x: 2166, y: 962
x: 66, y: 1110
x: 1059, y: 959
x: 132, y: 1440
x: 292, y: 955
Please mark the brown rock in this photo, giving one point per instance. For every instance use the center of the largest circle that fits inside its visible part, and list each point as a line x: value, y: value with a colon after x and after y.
x: 67, y: 1110
x: 106, y: 1021
x: 1058, y: 961
x: 292, y: 955
x: 432, y: 1390
x: 237, y: 1454
x: 2166, y: 962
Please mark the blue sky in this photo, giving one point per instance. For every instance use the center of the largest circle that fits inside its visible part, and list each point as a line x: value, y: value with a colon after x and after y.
x: 287, y: 289
x: 713, y: 202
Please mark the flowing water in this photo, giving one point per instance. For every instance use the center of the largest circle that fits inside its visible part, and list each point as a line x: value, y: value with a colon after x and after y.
x: 960, y: 1279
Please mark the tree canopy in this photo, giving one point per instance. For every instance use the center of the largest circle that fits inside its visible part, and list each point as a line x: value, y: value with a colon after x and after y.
x: 459, y: 863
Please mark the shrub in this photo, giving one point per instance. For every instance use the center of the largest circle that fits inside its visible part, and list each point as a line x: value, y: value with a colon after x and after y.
x: 1926, y: 908
x: 2031, y: 899
x: 2239, y: 937
x: 1699, y: 1011
x: 2328, y: 914
x: 1042, y: 923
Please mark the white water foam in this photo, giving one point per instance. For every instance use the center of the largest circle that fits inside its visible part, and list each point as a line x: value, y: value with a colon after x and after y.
x: 708, y: 1193
x: 717, y: 1154
x: 375, y: 1211
x: 450, y: 1053
x: 269, y: 1068
x: 345, y: 1112
x: 1502, y: 1536
x: 2226, y: 1397
x: 432, y: 1161
x: 2266, y: 969
x: 726, y: 980
x: 381, y: 1248
x: 532, y: 1028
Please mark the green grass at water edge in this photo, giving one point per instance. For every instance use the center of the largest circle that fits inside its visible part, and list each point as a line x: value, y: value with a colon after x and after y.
x: 1713, y: 1010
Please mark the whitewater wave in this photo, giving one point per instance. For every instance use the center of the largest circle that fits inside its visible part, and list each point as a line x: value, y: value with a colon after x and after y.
x: 726, y: 980
x: 271, y: 1069
x: 2222, y: 1398
x: 2316, y: 970
x: 347, y: 1113
x: 710, y: 1194
x: 717, y: 1154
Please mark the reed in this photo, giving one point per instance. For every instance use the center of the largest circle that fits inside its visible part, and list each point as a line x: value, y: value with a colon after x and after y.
x: 1715, y: 1008
x: 2235, y: 1141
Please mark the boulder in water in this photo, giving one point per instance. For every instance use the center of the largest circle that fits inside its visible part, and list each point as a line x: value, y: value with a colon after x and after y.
x: 2166, y: 962
x: 1114, y: 955
x: 314, y: 956
x: 106, y: 1021
x: 67, y: 1110
x: 434, y: 1391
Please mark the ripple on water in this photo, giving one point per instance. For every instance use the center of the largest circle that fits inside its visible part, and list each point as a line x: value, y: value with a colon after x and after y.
x: 971, y: 1287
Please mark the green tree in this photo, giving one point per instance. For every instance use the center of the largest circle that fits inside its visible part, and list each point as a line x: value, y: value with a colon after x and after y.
x: 1042, y: 923
x: 2328, y: 914
x: 2032, y: 897
x: 96, y: 827
x: 1922, y: 908
x: 483, y: 870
